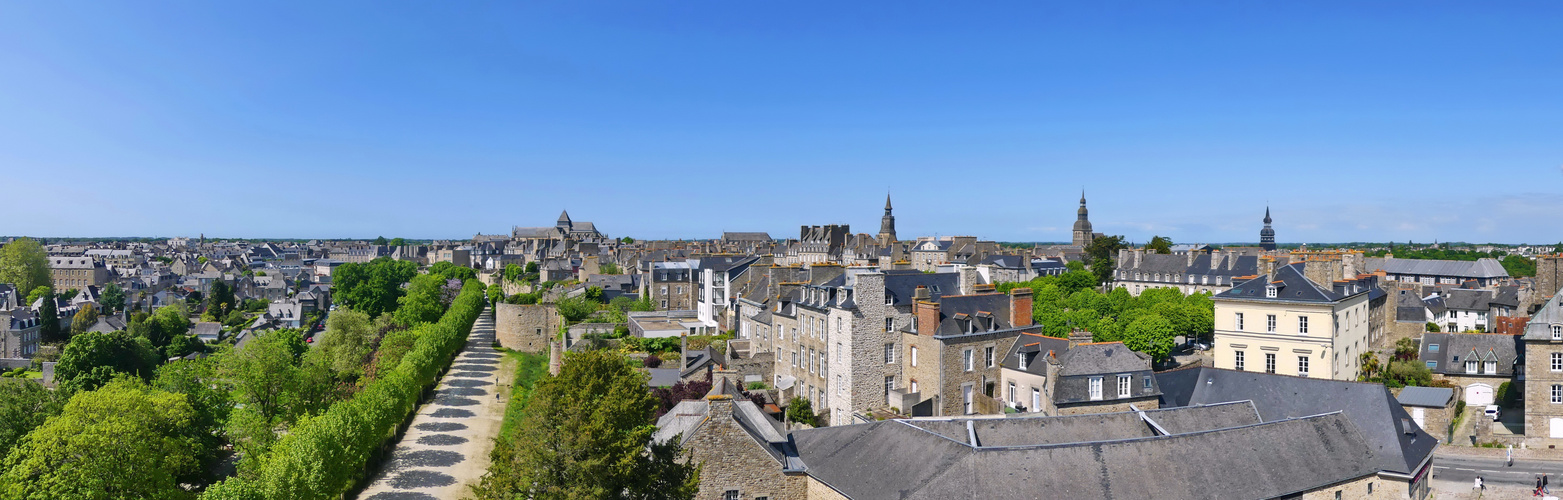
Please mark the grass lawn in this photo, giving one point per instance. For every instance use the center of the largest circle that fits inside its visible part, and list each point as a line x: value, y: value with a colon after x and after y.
x: 529, y: 369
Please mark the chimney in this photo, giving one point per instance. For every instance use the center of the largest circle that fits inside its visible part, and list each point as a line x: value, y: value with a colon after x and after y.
x: 926, y: 314
x: 1267, y: 267
x: 1020, y: 307
x: 1191, y: 255
x: 683, y: 351
x: 719, y: 402
x: 555, y: 358
x: 1139, y: 254
x: 983, y: 289
x: 968, y: 279
x: 1078, y: 336
x: 921, y: 293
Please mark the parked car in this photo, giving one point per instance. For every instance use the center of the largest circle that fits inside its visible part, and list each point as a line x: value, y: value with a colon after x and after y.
x: 1493, y: 412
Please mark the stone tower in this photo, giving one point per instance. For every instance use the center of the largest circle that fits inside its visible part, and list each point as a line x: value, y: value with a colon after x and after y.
x: 886, y: 226
x: 564, y: 220
x: 1267, y: 235
x: 1083, y: 233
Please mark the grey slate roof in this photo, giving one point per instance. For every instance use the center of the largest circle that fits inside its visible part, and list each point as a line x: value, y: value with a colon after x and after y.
x: 1036, y: 430
x: 901, y: 284
x: 1541, y: 323
x: 1034, y: 348
x: 1455, y: 349
x: 1370, y: 407
x: 1434, y: 397
x: 896, y: 460
x: 1291, y: 286
x: 1409, y: 307
x: 1469, y: 300
x: 1481, y: 268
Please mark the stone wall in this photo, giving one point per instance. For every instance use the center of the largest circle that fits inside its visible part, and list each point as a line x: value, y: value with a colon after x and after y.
x: 1357, y: 489
x: 526, y: 328
x: 1435, y: 421
x: 820, y: 491
x: 1539, y: 379
x: 954, y: 375
x: 926, y: 372
x: 1114, y: 406
x: 762, y: 364
x: 735, y: 461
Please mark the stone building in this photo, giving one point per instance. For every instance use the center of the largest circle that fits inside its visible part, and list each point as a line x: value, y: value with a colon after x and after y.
x: 745, y: 452
x: 954, y: 345
x: 1083, y: 236
x: 1476, y: 362
x: 886, y: 236
x: 1432, y: 408
x: 1267, y: 235
x: 672, y: 285
x: 76, y: 273
x: 526, y: 328
x: 1544, y: 375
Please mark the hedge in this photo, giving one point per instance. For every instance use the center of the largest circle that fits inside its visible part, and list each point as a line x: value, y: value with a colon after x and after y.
x: 324, y: 457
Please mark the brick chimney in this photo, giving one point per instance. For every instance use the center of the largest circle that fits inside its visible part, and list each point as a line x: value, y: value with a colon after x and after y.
x: 927, y: 315
x: 977, y: 289
x: 1020, y: 307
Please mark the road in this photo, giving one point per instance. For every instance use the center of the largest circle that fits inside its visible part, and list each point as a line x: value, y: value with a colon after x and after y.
x: 1463, y: 470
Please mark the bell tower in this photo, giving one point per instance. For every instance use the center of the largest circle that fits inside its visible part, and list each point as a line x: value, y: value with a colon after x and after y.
x: 886, y: 226
x: 1083, y: 234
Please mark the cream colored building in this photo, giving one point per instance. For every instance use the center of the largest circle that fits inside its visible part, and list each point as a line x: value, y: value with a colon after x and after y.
x: 1285, y: 323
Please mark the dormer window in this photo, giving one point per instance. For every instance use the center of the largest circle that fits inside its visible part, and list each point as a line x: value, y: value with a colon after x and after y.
x: 1021, y: 357
x: 1557, y: 332
x: 1270, y: 291
x: 889, y: 299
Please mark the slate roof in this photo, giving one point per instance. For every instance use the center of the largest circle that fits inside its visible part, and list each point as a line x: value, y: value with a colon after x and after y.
x: 896, y: 460
x: 1468, y: 300
x: 1409, y: 307
x: 901, y: 284
x: 1540, y: 326
x: 1481, y: 268
x: 1433, y: 397
x: 1033, y: 347
x: 1036, y: 429
x: 962, y: 314
x: 743, y: 236
x: 1107, y: 360
x: 1386, y: 428
x: 1291, y: 285
x: 1455, y: 349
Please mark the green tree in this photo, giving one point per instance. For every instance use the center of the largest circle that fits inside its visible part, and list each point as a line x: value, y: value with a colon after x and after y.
x: 1160, y: 244
x: 39, y: 293
x: 113, y: 298
x: 423, y: 302
x: 800, y: 410
x: 264, y: 374
x: 594, y: 294
x: 1150, y: 334
x: 182, y: 345
x: 575, y: 309
x: 1100, y: 254
x: 93, y: 358
x: 643, y: 305
x: 49, y: 321
x: 531, y: 267
x: 125, y: 440
x: 1518, y: 266
x: 514, y: 272
x: 24, y: 263
x: 381, y: 241
x: 398, y: 242
x: 348, y: 341
x: 221, y: 300
x: 626, y: 240
x: 84, y: 319
x: 610, y: 268
x: 586, y: 434
x: 371, y: 287
x: 24, y: 407
x: 208, y: 395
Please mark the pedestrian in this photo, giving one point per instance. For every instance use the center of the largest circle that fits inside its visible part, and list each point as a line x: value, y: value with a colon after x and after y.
x: 1544, y: 489
x: 1538, y: 488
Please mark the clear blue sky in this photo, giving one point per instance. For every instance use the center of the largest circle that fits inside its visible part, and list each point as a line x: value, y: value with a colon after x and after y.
x: 681, y: 119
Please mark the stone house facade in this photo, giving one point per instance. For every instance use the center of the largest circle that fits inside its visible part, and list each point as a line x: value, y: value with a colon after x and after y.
x: 740, y: 446
x: 1544, y: 375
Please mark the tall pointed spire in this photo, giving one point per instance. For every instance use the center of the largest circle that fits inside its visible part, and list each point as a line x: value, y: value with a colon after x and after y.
x: 886, y: 226
x: 1267, y: 235
x: 887, y: 202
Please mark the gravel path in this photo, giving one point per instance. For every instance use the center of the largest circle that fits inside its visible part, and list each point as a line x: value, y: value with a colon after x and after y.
x: 448, y: 444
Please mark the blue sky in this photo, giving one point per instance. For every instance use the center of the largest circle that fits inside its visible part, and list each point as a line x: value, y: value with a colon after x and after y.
x: 681, y: 119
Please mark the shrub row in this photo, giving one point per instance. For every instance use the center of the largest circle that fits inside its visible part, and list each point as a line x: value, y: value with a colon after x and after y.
x: 324, y: 457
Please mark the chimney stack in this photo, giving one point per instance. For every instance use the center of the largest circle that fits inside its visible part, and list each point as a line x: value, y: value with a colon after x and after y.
x: 1078, y: 336
x: 1020, y: 307
x: 921, y: 293
x: 927, y: 316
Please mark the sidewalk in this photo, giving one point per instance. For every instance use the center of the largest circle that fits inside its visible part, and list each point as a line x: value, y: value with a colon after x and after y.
x: 449, y: 442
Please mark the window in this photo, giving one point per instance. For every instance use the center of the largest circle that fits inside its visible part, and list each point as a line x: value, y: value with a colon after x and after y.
x: 1557, y: 361
x: 1237, y: 322
x: 1096, y: 388
x: 1036, y: 400
x: 1557, y: 394
x: 1557, y: 332
x: 889, y: 324
x: 987, y: 355
x: 1237, y: 358
x: 1269, y: 362
x: 1270, y: 323
x: 914, y: 386
x: 730, y: 495
x: 1470, y: 367
x: 889, y: 384
x: 1432, y: 348
x: 1302, y: 325
x: 914, y: 357
x: 1432, y: 365
x: 1123, y: 386
x: 1302, y: 366
x: 889, y: 353
x: 889, y: 299
x: 1020, y: 360
x: 1012, y: 397
x: 1270, y: 292
x: 1490, y: 367
x: 1147, y: 382
x: 966, y: 359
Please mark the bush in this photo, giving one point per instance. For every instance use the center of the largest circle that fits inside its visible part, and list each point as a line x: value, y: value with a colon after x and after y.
x: 1432, y: 327
x: 757, y: 386
x: 325, y: 456
x: 651, y: 362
